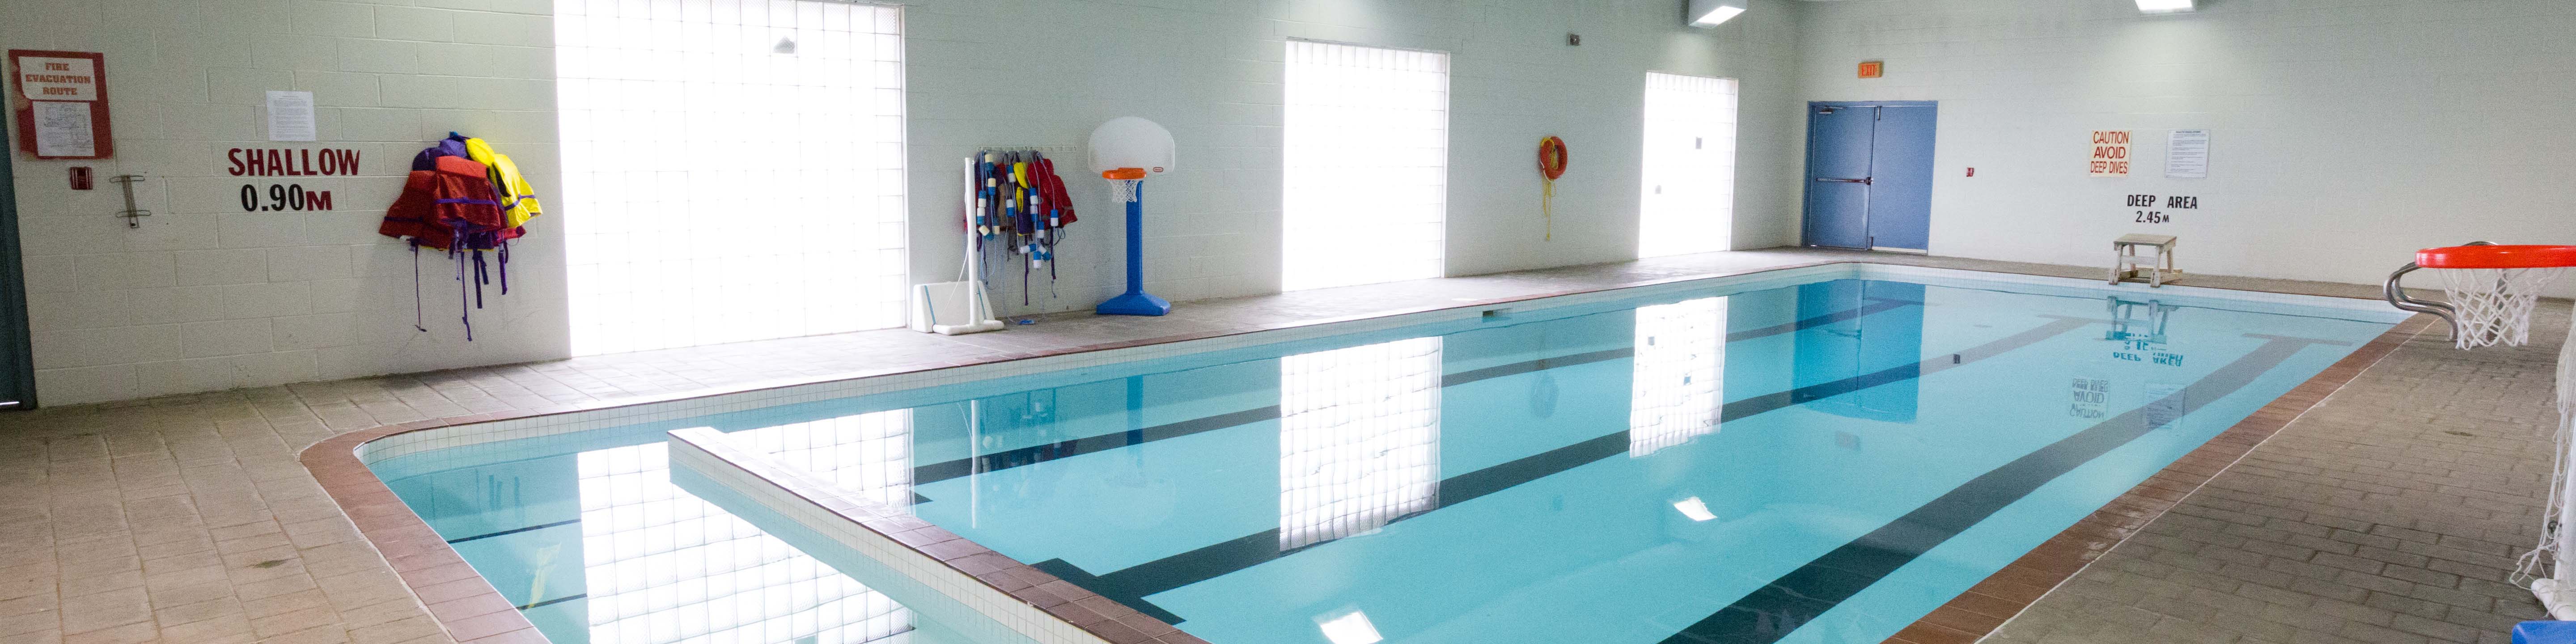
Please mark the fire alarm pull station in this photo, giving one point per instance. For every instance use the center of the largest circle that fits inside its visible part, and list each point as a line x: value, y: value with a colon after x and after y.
x: 80, y: 177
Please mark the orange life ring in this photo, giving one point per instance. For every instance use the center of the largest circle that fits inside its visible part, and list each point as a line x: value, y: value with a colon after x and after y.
x: 1551, y: 157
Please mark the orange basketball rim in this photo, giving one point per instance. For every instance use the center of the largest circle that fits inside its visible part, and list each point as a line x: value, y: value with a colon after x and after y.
x: 2497, y: 256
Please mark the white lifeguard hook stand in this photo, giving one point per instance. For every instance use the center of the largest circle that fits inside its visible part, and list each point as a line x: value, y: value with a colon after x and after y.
x: 1125, y: 151
x: 957, y: 308
x: 2491, y: 290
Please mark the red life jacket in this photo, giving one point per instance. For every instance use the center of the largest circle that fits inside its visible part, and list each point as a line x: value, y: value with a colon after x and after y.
x: 448, y: 207
x: 448, y: 203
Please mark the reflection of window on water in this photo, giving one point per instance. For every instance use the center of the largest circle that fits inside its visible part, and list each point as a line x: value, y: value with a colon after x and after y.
x: 867, y: 454
x: 1359, y: 439
x: 1679, y: 375
x: 665, y: 567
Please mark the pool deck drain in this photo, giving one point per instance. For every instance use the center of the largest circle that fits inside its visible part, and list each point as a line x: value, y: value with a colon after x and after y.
x: 2371, y: 518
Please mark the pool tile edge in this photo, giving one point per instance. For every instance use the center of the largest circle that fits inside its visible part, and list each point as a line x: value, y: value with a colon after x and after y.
x: 1016, y: 595
x: 416, y: 553
x: 1987, y: 606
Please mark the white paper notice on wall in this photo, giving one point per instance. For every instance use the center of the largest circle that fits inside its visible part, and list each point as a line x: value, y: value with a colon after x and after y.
x: 2187, y: 154
x: 290, y: 116
x: 2110, y: 153
x: 63, y: 129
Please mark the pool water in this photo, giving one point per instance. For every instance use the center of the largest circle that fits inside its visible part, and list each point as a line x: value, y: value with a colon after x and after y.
x: 1814, y: 462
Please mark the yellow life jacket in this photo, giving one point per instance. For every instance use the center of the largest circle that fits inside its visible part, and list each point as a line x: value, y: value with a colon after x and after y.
x: 518, y: 201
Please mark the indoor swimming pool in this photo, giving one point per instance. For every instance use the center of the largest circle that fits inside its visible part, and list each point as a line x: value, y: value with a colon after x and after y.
x: 1821, y: 460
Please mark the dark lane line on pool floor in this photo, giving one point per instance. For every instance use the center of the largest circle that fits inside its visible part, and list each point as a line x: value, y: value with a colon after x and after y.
x: 1006, y: 459
x: 1795, y: 599
x: 1131, y: 585
x: 511, y: 531
x: 1034, y: 454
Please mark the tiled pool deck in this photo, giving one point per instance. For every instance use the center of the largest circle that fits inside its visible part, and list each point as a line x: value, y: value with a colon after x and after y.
x: 2387, y: 513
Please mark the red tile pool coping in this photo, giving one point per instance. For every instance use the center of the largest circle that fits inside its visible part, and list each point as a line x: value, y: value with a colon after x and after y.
x: 473, y: 612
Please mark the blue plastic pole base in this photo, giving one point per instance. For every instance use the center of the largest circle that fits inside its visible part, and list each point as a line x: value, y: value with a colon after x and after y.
x: 1135, y: 303
x: 2544, y: 632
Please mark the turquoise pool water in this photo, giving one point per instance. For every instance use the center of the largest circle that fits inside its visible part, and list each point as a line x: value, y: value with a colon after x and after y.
x: 1816, y: 462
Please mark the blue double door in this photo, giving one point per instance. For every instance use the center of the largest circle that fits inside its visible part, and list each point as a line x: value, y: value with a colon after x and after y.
x: 1869, y: 174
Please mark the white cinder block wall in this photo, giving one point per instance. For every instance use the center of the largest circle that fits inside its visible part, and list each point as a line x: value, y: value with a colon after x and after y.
x: 2346, y: 134
x: 206, y: 297
x: 1045, y: 73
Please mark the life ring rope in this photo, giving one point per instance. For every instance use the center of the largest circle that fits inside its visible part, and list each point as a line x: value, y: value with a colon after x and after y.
x: 1551, y: 164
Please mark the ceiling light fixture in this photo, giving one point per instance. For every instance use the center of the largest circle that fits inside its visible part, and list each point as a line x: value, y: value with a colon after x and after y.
x: 1709, y: 13
x: 2164, y: 6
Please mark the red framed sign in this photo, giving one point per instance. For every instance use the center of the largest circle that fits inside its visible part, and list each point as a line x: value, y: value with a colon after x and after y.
x: 61, y: 103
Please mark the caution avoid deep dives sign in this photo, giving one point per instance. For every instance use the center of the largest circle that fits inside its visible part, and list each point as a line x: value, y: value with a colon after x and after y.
x: 2110, y: 153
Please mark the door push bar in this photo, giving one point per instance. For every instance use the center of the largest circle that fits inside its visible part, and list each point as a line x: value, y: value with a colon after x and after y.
x: 1863, y: 180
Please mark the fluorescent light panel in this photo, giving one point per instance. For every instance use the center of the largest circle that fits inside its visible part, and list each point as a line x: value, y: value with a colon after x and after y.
x: 1711, y: 13
x: 2164, y: 6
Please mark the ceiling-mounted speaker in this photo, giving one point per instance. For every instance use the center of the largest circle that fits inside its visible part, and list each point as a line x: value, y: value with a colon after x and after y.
x: 1710, y: 13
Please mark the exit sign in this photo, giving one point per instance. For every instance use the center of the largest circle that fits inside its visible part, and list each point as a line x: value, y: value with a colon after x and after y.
x: 1872, y: 68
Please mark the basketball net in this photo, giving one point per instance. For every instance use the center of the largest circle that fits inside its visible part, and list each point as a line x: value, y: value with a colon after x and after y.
x: 2494, y: 304
x: 2550, y: 569
x: 1124, y: 190
x: 2492, y: 291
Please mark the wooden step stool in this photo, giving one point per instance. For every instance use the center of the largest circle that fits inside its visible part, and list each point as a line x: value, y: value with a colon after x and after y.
x: 2126, y: 263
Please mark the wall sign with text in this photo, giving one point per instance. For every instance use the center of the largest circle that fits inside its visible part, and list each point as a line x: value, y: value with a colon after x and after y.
x: 2110, y: 153
x: 2151, y: 209
x: 288, y: 162
x: 61, y: 101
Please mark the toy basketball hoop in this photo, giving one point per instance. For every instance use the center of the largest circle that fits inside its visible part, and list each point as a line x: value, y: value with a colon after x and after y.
x: 1128, y: 149
x: 1125, y: 151
x: 2491, y: 288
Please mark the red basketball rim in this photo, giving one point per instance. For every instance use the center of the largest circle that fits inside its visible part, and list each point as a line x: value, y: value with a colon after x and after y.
x: 2499, y: 256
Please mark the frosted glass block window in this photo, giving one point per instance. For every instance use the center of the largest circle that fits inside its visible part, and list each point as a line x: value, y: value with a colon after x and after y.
x: 1366, y: 165
x: 867, y: 454
x: 1679, y: 375
x: 1359, y: 439
x: 664, y: 567
x: 1687, y: 203
x: 733, y: 170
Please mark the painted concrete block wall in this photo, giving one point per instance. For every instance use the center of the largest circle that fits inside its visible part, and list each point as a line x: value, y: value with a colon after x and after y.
x: 205, y: 296
x: 2346, y: 134
x: 1212, y: 72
